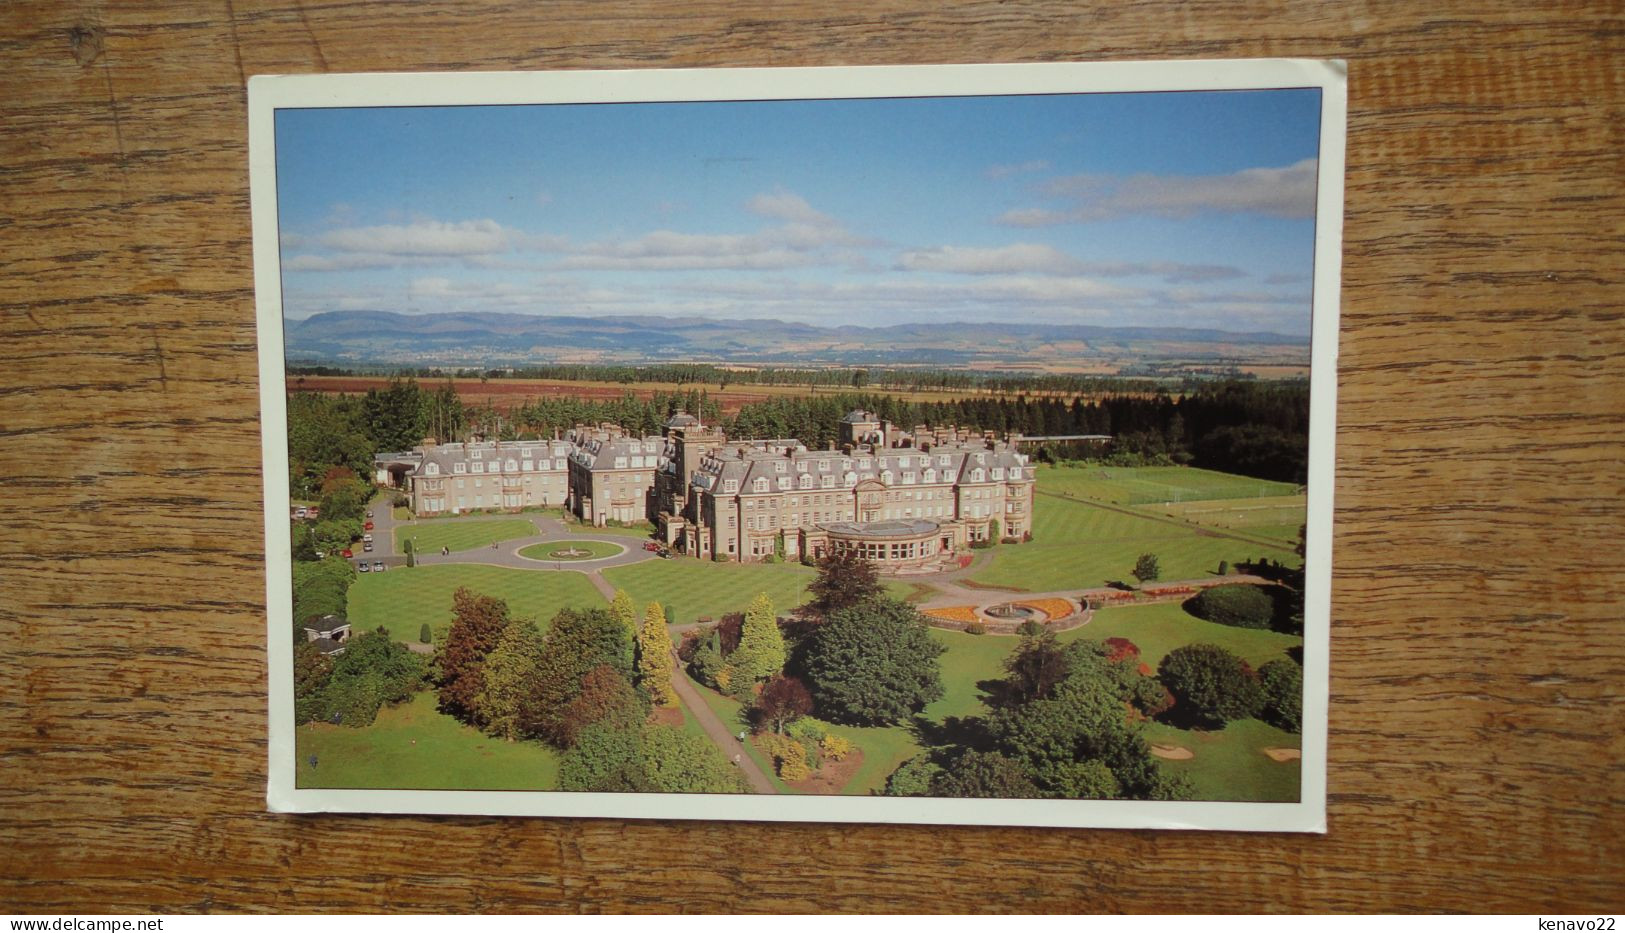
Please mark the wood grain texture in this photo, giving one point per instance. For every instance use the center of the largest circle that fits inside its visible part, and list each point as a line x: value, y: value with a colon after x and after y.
x: 1478, y: 649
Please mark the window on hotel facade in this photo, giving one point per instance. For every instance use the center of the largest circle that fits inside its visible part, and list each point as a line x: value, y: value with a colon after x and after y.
x: 459, y: 468
x: 432, y: 469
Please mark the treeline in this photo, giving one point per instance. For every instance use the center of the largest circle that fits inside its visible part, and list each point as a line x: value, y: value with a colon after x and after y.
x: 1256, y: 429
x: 704, y: 374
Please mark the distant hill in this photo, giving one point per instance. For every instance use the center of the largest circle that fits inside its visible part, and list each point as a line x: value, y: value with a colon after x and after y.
x: 483, y: 339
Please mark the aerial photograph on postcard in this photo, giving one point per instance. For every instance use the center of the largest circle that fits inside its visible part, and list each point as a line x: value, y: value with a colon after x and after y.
x: 948, y: 447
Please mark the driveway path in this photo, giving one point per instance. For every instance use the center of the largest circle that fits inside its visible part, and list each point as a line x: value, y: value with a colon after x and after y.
x: 719, y: 734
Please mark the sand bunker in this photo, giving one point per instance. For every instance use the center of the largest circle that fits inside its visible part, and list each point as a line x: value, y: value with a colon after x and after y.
x: 1281, y: 754
x: 1172, y: 752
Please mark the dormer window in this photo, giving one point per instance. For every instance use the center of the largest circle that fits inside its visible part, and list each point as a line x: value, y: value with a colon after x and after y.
x: 806, y: 481
x: 908, y: 477
x: 1015, y: 473
x: 823, y: 464
x: 850, y: 479
x: 949, y: 476
x: 779, y: 466
x: 432, y: 469
x: 827, y: 481
x: 479, y: 454
x: 998, y: 472
x: 942, y: 460
x: 784, y: 482
x: 529, y: 465
x: 930, y: 476
x: 761, y: 484
x: 801, y: 466
x: 528, y: 453
x: 864, y: 463
x: 479, y: 468
x: 885, y: 477
x: 977, y: 476
x: 731, y: 486
x: 459, y: 468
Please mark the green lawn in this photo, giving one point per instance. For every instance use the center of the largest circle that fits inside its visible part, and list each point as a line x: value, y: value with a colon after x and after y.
x: 1161, y: 627
x: 405, y: 598
x: 1077, y: 545
x: 1230, y: 763
x: 695, y: 588
x: 595, y: 550
x: 416, y: 747
x: 430, y: 537
x: 641, y: 530
x: 1133, y: 485
x: 1275, y: 517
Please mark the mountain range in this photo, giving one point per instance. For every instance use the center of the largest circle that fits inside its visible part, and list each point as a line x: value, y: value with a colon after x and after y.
x: 489, y: 339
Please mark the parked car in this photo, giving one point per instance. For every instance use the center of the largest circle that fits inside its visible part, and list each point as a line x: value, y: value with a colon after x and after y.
x: 378, y: 566
x: 651, y: 546
x: 346, y: 553
x: 362, y: 566
x: 367, y: 526
x: 320, y: 554
x: 300, y: 512
x: 369, y: 515
x: 366, y: 546
x: 367, y: 538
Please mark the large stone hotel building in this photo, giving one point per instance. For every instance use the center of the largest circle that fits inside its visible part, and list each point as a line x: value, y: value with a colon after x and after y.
x: 904, y: 500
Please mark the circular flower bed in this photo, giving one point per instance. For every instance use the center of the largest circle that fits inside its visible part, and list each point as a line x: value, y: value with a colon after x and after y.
x: 571, y: 550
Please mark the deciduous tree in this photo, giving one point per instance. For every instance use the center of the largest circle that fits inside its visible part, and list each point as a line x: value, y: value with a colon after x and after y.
x: 1210, y: 684
x: 782, y: 700
x: 577, y: 642
x: 509, y: 677
x: 1282, y: 683
x: 476, y: 629
x: 874, y: 663
x: 845, y: 579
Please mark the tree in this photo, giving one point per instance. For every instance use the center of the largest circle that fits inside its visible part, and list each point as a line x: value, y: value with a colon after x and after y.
x: 625, y: 612
x: 874, y: 663
x: 984, y: 774
x: 425, y: 635
x: 1282, y: 683
x: 347, y: 501
x: 1147, y: 568
x: 1033, y: 670
x: 1210, y: 684
x: 411, y: 556
x: 577, y: 642
x: 654, y: 658
x: 676, y: 762
x: 994, y: 531
x: 606, y: 698
x: 761, y: 646
x: 311, y: 670
x: 607, y: 760
x: 509, y: 677
x: 845, y: 579
x: 372, y: 671
x: 913, y: 778
x: 476, y: 629
x: 782, y: 700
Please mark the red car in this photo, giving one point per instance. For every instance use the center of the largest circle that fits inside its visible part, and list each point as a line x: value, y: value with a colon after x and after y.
x: 651, y: 546
x: 367, y: 526
x: 346, y: 553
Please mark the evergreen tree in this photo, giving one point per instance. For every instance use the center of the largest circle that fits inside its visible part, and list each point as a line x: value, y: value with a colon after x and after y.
x: 761, y: 645
x: 873, y: 664
x: 1147, y: 568
x: 654, y: 658
x: 509, y: 677
x: 625, y: 611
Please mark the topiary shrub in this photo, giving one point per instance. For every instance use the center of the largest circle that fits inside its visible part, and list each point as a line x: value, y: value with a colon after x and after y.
x: 1239, y: 604
x: 425, y: 635
x: 975, y: 628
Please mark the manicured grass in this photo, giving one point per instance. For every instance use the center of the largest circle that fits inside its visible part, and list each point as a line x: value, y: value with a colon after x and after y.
x: 430, y: 537
x: 1230, y: 763
x: 401, y: 513
x: 884, y: 748
x: 405, y: 598
x: 1276, y: 517
x: 416, y: 747
x: 1133, y: 485
x: 595, y: 550
x: 695, y: 588
x: 1161, y: 627
x: 1077, y: 545
x: 969, y: 659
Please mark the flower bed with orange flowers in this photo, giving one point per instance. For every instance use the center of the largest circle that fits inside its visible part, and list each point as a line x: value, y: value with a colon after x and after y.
x: 954, y: 614
x: 1053, y: 607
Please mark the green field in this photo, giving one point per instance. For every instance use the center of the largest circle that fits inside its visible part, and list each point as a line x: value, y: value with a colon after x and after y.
x: 405, y: 598
x: 416, y: 747
x: 1230, y: 763
x: 1135, y: 485
x: 1161, y: 627
x: 595, y: 550
x: 1077, y: 545
x: 699, y: 588
x: 430, y: 537
x: 1275, y: 517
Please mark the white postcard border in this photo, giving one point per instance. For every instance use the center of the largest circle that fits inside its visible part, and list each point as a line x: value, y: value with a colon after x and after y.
x: 270, y: 93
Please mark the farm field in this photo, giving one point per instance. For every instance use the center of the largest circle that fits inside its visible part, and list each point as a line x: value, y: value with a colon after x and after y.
x: 461, y: 535
x: 1077, y: 545
x: 1137, y: 485
x: 405, y: 598
x: 414, y: 746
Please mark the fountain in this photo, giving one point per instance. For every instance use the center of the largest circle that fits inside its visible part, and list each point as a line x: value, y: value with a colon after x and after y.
x: 1013, y: 612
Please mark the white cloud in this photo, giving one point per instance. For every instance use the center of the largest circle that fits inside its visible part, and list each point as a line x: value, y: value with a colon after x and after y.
x: 780, y: 204
x: 1037, y: 258
x: 421, y: 238
x: 1287, y: 191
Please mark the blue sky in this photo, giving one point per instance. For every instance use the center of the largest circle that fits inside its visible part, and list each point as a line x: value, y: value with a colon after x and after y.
x: 1180, y: 209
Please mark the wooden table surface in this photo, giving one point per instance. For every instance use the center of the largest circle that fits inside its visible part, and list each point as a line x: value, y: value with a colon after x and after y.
x: 1478, y: 649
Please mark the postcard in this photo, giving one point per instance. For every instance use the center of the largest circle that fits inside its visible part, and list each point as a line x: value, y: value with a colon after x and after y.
x: 944, y: 444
